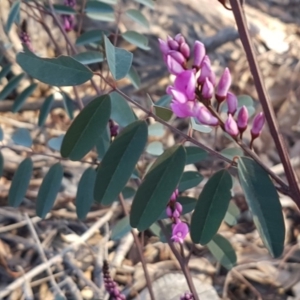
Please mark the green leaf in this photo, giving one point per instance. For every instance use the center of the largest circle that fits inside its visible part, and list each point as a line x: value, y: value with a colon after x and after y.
x: 155, y: 191
x: 89, y: 37
x: 189, y: 180
x: 99, y: 11
x: 4, y: 71
x: 194, y: 154
x: 263, y: 200
x: 103, y: 143
x: 120, y: 229
x: 164, y: 101
x: 12, y: 16
x: 138, y: 17
x: 148, y: 3
x: 120, y: 110
x: 222, y: 250
x: 199, y: 127
x: 55, y: 143
x: 60, y: 71
x: 21, y: 98
x: 163, y: 113
x: 188, y: 204
x: 1, y: 164
x: 86, y: 128
x: 155, y: 148
x: 49, y: 189
x: 134, y: 78
x: 11, y: 85
x: 136, y: 39
x: 22, y: 137
x: 232, y: 214
x: 20, y: 183
x: 119, y: 161
x: 45, y: 110
x: 118, y: 59
x: 211, y: 207
x: 89, y: 57
x: 156, y: 129
x: 84, y: 197
x: 128, y: 192
x: 1, y: 134
x: 230, y: 153
x: 68, y: 105
x: 63, y: 9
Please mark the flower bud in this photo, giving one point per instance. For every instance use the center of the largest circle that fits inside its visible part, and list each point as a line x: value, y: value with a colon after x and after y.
x: 176, y: 214
x: 178, y: 207
x: 177, y: 56
x: 174, y: 45
x: 179, y: 38
x: 169, y: 212
x: 232, y: 103
x: 199, y: 54
x: 223, y: 86
x: 174, y: 66
x: 231, y: 126
x: 163, y: 46
x: 204, y: 116
x: 185, y: 50
x: 242, y: 119
x: 207, y: 89
x: 258, y: 124
x: 206, y: 71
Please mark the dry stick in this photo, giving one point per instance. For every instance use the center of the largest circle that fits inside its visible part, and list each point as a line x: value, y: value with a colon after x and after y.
x: 57, y: 258
x: 54, y: 284
x: 139, y: 247
x: 182, y: 262
x: 263, y: 97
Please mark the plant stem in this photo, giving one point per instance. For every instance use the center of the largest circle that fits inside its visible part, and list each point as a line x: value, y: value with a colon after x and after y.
x: 182, y: 263
x: 139, y: 247
x: 265, y: 102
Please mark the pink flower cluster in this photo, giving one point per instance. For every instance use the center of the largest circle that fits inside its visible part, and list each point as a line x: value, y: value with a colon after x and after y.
x: 194, y: 88
x: 179, y: 228
x: 69, y: 20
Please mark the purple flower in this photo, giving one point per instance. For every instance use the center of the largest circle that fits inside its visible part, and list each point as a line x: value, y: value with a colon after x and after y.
x: 187, y: 296
x: 185, y: 82
x: 174, y: 45
x: 177, y: 56
x: 232, y: 103
x: 163, y: 46
x: 25, y: 39
x: 179, y: 38
x: 174, y: 66
x: 206, y: 71
x: 182, y: 110
x: 242, y: 119
x: 174, y: 195
x: 207, y: 89
x: 258, y: 124
x: 204, y: 116
x: 223, y: 86
x: 179, y: 232
x: 68, y: 22
x: 185, y: 50
x: 199, y: 53
x: 231, y: 126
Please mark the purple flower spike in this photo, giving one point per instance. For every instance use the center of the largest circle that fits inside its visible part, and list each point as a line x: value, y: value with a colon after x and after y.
x: 179, y: 232
x: 232, y: 103
x: 204, y: 116
x: 231, y: 126
x: 242, y: 119
x: 206, y: 71
x: 163, y: 46
x: 174, y: 66
x: 185, y: 82
x: 185, y: 50
x: 223, y: 86
x: 207, y: 89
x: 178, y: 57
x: 258, y: 124
x: 199, y: 54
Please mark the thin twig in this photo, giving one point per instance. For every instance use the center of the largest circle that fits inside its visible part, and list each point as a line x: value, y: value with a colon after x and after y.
x: 139, y: 247
x: 264, y: 99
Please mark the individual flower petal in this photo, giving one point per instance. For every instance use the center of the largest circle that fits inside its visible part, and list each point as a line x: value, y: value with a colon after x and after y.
x: 206, y: 71
x: 199, y: 54
x: 231, y: 126
x: 242, y: 119
x: 163, y: 46
x: 204, y: 116
x: 182, y: 110
x: 185, y: 50
x: 173, y: 66
x: 174, y: 45
x: 174, y: 195
x: 179, y: 232
x: 258, y: 124
x: 232, y: 103
x: 179, y: 38
x: 177, y: 56
x: 207, y: 89
x: 185, y: 82
x: 169, y: 212
x: 178, y: 207
x: 178, y: 96
x: 223, y: 85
